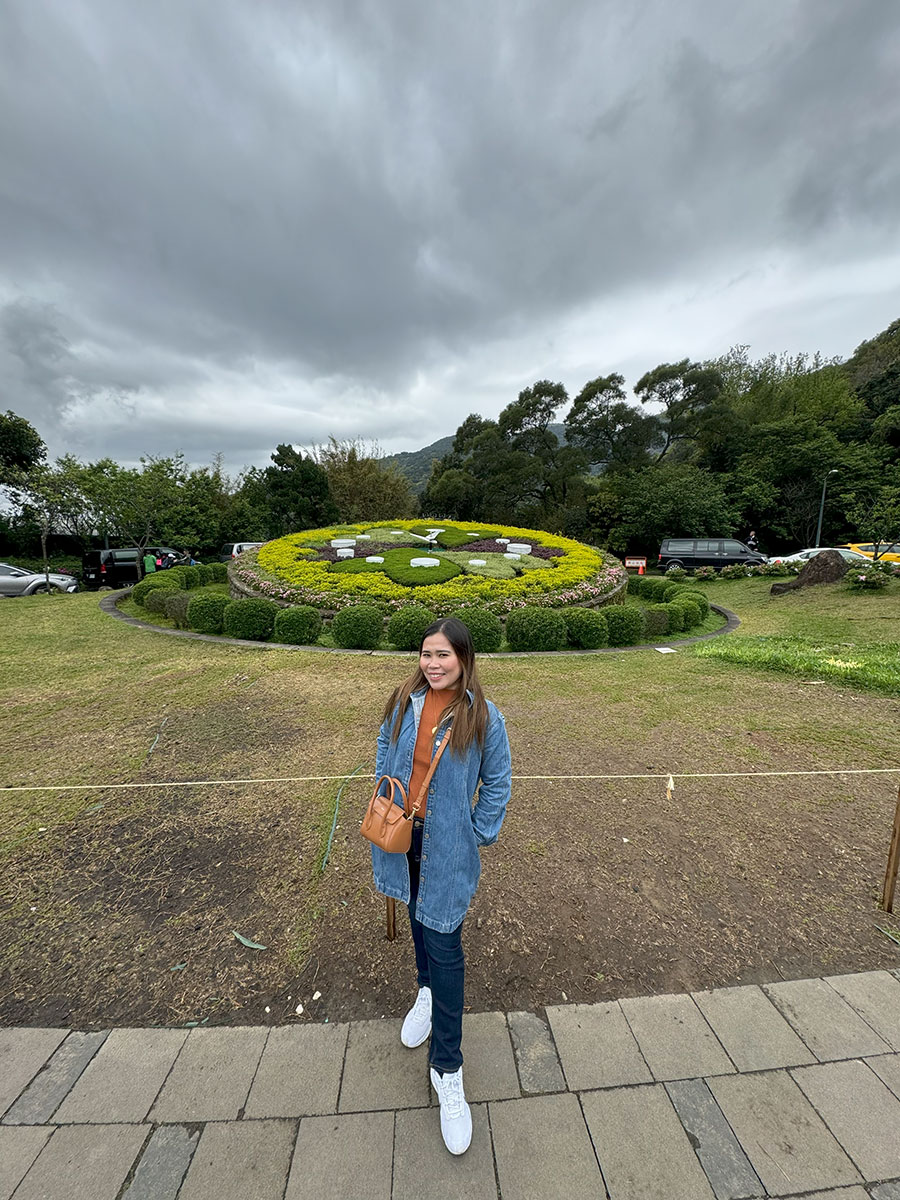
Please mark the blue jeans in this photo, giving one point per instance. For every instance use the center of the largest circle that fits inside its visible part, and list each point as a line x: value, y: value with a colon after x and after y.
x: 440, y: 965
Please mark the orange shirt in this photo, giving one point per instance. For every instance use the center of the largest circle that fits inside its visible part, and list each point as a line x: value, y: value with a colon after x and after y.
x: 435, y: 703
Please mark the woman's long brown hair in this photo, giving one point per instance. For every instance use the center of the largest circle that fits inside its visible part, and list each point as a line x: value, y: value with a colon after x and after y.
x: 468, y: 721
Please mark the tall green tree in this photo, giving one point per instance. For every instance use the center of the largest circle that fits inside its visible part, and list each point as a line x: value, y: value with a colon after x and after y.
x: 296, y: 492
x: 610, y: 431
x: 362, y: 485
x: 21, y: 446
x: 684, y: 390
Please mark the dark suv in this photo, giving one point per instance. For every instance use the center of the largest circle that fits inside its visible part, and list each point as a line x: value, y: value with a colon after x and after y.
x: 706, y: 552
x: 116, y: 568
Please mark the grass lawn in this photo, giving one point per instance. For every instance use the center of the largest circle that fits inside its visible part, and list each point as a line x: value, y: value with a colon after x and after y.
x: 120, y: 906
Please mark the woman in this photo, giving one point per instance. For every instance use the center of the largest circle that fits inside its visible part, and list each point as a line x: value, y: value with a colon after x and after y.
x: 438, y: 877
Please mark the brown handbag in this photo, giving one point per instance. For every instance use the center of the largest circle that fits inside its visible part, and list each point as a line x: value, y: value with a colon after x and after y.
x: 386, y: 824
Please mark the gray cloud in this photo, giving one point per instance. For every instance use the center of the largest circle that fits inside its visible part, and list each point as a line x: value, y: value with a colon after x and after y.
x: 224, y: 225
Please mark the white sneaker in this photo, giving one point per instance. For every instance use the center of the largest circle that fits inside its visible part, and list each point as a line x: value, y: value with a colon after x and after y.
x: 456, y: 1116
x: 417, y: 1022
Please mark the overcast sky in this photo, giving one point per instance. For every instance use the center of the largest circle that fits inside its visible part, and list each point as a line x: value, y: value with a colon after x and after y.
x: 230, y: 223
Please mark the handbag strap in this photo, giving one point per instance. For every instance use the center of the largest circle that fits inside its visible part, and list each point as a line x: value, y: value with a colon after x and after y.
x: 423, y: 790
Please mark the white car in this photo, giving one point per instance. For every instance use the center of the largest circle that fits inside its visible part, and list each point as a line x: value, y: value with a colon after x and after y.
x: 803, y: 556
x: 14, y: 581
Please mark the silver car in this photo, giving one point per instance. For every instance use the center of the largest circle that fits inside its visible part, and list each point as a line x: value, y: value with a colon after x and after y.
x: 14, y: 581
x: 849, y: 556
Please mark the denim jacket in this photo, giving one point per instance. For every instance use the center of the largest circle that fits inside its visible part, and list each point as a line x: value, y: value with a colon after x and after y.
x: 454, y: 829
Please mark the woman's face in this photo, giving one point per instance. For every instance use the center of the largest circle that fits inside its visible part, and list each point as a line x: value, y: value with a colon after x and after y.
x: 439, y: 663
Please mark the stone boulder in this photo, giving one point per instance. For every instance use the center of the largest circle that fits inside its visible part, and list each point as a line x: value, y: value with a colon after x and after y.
x: 827, y: 567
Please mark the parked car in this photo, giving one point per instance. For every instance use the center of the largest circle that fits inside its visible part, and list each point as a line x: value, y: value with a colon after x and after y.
x: 867, y: 550
x: 232, y: 549
x: 119, y: 567
x: 15, y: 581
x: 706, y: 552
x: 851, y: 556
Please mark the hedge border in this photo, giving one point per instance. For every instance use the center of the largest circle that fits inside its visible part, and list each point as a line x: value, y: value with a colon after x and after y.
x: 110, y: 605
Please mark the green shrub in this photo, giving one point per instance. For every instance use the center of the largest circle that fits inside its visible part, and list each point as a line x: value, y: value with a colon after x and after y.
x: 187, y: 577
x: 206, y: 610
x: 176, y: 606
x: 735, y: 571
x: 142, y: 590
x: 205, y: 574
x: 155, y: 600
x: 298, y: 626
x: 219, y: 572
x: 653, y: 588
x: 700, y: 599
x: 866, y: 579
x: 706, y: 573
x: 625, y: 624
x: 676, y: 574
x: 406, y: 626
x: 253, y: 619
x: 670, y: 592
x: 676, y: 618
x: 484, y: 626
x: 586, y: 628
x: 358, y: 627
x: 636, y: 585
x: 691, y: 611
x: 536, y: 629
x: 656, y: 620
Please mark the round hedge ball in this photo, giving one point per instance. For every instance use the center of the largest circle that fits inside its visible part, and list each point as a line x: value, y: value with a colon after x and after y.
x: 586, y: 628
x: 298, y: 626
x: 408, y: 624
x: 206, y: 610
x: 536, y: 629
x: 142, y: 590
x: 252, y: 619
x: 357, y: 627
x: 625, y: 624
x: 485, y: 628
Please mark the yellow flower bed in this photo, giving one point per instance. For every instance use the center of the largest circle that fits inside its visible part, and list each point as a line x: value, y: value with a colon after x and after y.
x: 280, y: 569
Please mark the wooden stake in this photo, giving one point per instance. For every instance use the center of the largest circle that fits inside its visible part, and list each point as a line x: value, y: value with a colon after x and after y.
x: 890, y: 875
x: 391, y: 918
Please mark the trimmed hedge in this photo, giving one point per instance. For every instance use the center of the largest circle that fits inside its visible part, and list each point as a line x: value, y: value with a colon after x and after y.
x: 142, y: 590
x: 625, y: 624
x: 586, y: 628
x: 176, y: 606
x: 484, y: 626
x: 406, y: 626
x: 298, y: 626
x: 701, y: 600
x: 656, y: 620
x: 358, y: 627
x: 218, y: 572
x: 155, y: 600
x: 670, y: 591
x: 652, y: 588
x: 690, y: 609
x: 205, y: 574
x: 206, y: 610
x: 536, y: 629
x: 253, y: 619
x: 676, y: 618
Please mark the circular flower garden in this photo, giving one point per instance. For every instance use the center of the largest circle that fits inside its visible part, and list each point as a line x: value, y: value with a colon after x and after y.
x: 441, y: 566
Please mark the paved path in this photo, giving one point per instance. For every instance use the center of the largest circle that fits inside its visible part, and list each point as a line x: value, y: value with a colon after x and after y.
x: 791, y: 1089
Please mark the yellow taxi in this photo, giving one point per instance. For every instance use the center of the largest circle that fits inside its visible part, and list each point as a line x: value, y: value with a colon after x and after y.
x: 887, y: 553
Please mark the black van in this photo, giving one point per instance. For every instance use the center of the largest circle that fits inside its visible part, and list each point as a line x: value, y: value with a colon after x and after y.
x: 111, y: 568
x: 706, y: 552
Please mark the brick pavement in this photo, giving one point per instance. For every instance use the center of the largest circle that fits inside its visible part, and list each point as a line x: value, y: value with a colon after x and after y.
x: 789, y: 1090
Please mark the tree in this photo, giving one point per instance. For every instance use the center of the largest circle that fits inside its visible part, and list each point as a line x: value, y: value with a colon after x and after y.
x: 363, y: 487
x: 21, y: 447
x: 41, y: 492
x: 638, y: 510
x: 875, y: 511
x: 297, y: 494
x: 684, y: 390
x: 610, y: 431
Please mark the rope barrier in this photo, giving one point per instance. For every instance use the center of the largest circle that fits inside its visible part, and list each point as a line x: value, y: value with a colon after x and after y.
x: 183, y: 783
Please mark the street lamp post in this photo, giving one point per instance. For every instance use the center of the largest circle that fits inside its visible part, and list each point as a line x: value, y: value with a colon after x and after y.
x: 833, y: 471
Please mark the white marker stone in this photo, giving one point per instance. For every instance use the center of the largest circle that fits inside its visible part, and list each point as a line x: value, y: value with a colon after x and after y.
x: 424, y: 562
x: 345, y: 552
x: 510, y: 554
x: 503, y: 541
x: 477, y: 562
x: 519, y: 547
x: 374, y: 558
x: 339, y: 543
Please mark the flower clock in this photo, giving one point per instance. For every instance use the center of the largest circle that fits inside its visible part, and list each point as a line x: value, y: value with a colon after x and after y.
x: 444, y: 564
